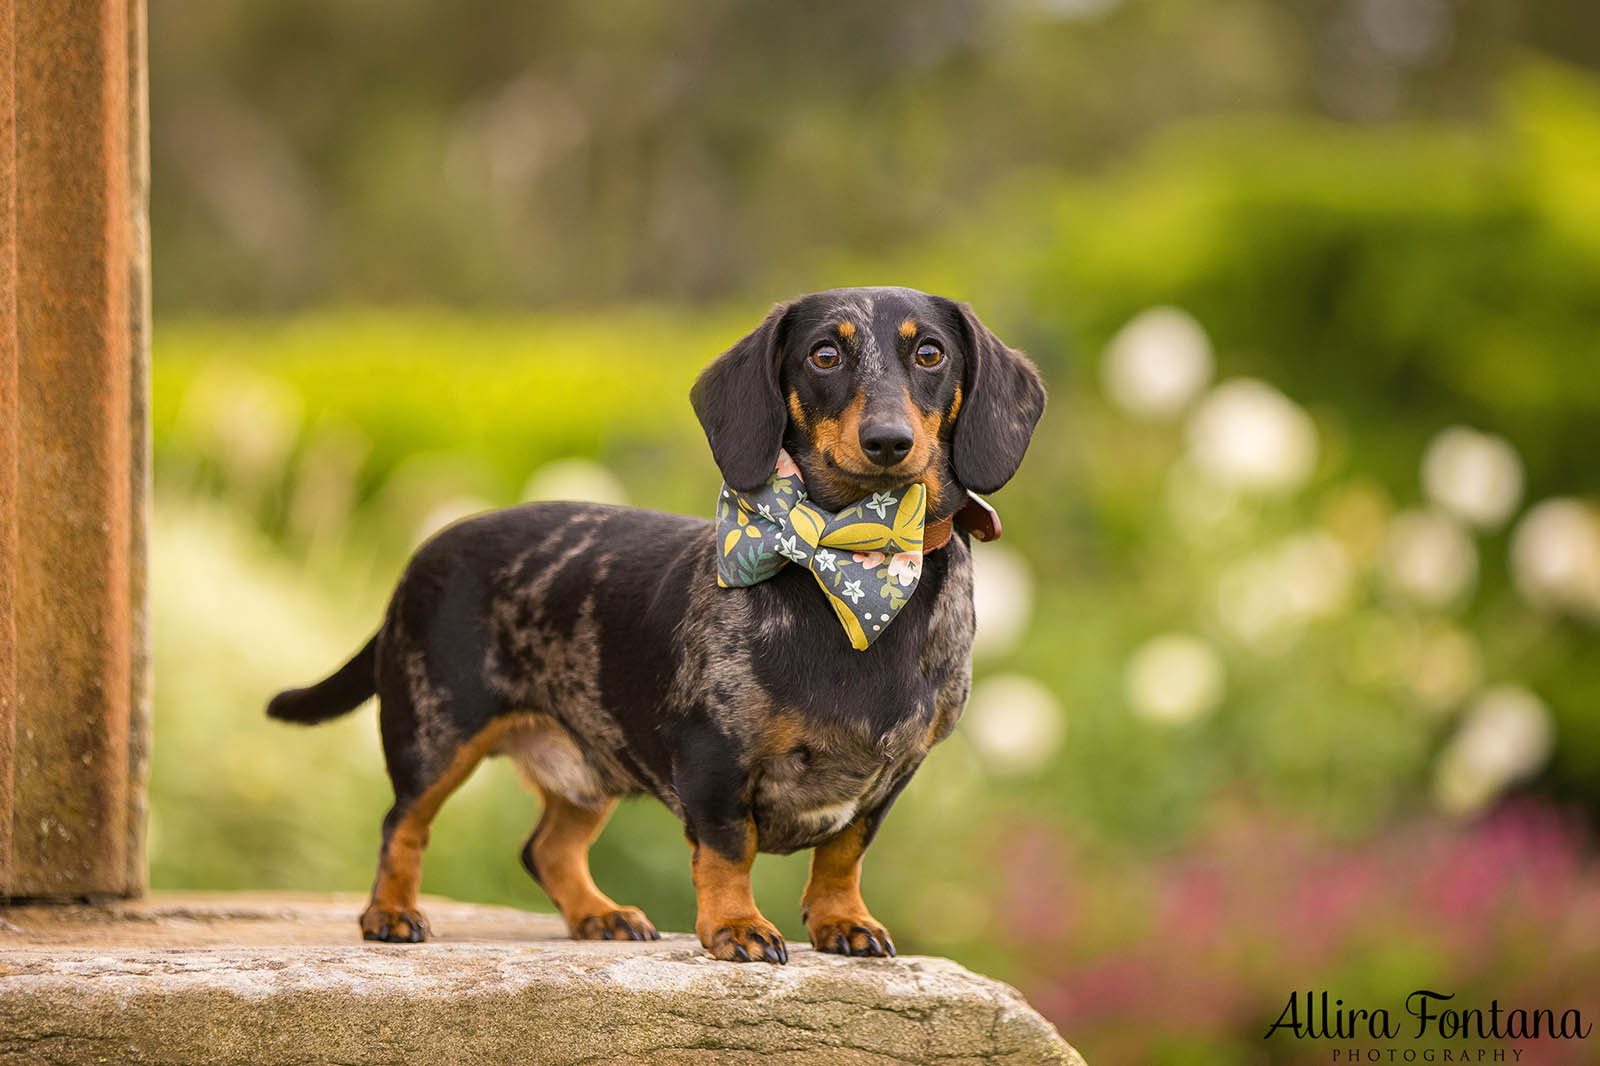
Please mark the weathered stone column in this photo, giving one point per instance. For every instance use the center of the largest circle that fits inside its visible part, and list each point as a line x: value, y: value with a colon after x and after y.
x: 73, y: 357
x: 8, y: 432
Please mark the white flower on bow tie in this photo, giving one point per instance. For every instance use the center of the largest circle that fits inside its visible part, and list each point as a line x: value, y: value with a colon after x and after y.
x: 825, y: 559
x: 790, y: 551
x: 880, y: 502
x: 853, y: 590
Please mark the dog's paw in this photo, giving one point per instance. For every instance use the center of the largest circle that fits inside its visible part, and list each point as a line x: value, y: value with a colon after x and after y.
x: 745, y: 940
x: 858, y: 935
x: 394, y: 926
x: 624, y: 923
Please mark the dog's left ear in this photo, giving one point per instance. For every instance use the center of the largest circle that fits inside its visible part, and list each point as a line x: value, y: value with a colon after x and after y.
x: 1002, y: 399
x: 737, y: 401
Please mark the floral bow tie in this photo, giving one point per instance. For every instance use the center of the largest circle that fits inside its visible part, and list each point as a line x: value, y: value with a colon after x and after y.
x: 867, y: 557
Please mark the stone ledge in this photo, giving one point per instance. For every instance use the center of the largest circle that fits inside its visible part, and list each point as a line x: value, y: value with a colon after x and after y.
x: 285, y: 979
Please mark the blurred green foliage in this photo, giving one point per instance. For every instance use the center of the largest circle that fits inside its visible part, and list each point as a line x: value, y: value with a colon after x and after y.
x: 591, y: 151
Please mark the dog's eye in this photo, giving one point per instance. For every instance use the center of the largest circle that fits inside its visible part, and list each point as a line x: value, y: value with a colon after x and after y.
x: 825, y: 357
x: 929, y: 355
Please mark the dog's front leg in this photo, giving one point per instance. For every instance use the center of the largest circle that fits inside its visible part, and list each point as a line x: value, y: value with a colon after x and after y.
x: 722, y: 832
x: 726, y: 918
x: 832, y: 906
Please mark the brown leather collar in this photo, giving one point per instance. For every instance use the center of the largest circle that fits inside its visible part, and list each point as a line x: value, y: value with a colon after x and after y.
x: 975, y: 516
x: 936, y: 535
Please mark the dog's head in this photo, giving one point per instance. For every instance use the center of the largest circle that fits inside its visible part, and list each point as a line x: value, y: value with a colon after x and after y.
x: 871, y: 389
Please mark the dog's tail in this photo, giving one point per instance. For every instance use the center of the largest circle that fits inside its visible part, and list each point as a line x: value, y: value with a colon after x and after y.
x: 347, y: 689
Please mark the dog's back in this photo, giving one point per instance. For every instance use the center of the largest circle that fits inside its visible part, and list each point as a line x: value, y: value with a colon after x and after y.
x: 609, y: 621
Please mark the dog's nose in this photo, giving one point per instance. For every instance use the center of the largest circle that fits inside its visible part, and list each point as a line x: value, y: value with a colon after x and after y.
x: 886, y: 443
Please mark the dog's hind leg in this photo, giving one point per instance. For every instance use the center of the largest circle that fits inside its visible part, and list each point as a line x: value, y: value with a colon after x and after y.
x: 577, y: 802
x: 557, y: 856
x: 393, y: 913
x: 423, y: 780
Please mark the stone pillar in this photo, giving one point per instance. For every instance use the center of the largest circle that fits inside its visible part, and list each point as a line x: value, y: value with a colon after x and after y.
x: 73, y: 692
x: 8, y: 432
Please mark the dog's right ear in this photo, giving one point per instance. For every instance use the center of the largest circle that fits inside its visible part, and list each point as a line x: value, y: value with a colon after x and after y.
x: 738, y: 403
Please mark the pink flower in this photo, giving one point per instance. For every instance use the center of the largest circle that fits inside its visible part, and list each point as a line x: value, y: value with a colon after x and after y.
x: 906, y: 567
x: 870, y: 560
x: 786, y: 467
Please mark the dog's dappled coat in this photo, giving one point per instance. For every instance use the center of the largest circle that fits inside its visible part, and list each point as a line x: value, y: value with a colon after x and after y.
x: 596, y: 647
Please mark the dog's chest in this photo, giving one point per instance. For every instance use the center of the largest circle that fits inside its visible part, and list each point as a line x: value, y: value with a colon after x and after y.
x: 811, y: 791
x: 853, y: 726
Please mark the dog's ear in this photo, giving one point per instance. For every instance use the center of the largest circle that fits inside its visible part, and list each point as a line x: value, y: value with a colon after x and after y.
x: 1002, y: 399
x: 737, y: 401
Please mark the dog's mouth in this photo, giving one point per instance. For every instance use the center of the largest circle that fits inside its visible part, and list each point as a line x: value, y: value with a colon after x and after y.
x: 869, y: 481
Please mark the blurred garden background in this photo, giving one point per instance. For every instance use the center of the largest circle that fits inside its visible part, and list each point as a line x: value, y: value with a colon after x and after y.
x: 1288, y: 673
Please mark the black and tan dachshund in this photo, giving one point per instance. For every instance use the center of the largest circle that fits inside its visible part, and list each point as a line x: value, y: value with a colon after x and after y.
x: 594, y: 647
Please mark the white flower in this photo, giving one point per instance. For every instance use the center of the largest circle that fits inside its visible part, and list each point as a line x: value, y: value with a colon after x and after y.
x: 1015, y: 723
x: 1475, y: 476
x: 1157, y: 363
x: 1429, y: 559
x: 765, y: 511
x: 1002, y: 598
x: 1555, y: 557
x: 880, y: 502
x: 1267, y: 598
x: 825, y: 559
x: 790, y: 551
x: 1173, y: 678
x: 1247, y: 435
x: 576, y: 479
x: 1506, y: 737
x: 853, y: 590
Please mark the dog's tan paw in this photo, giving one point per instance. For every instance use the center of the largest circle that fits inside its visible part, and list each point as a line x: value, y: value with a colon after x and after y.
x: 624, y: 923
x: 853, y: 935
x: 393, y: 926
x: 749, y: 939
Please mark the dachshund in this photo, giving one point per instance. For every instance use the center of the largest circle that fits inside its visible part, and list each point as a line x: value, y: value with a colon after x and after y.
x: 595, y: 647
